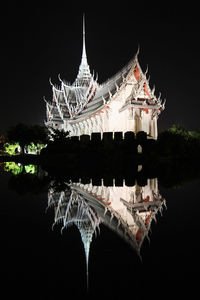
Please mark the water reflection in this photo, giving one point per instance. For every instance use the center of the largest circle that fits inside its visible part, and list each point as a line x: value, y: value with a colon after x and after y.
x: 18, y: 168
x: 127, y: 210
x: 127, y: 207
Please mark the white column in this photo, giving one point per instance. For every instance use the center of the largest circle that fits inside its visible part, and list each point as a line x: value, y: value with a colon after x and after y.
x: 151, y: 128
x: 79, y: 128
x: 99, y: 124
x: 140, y: 124
x: 95, y: 124
x: 72, y: 130
x: 136, y: 124
x: 155, y: 127
x: 85, y: 126
x: 90, y: 126
x: 87, y: 122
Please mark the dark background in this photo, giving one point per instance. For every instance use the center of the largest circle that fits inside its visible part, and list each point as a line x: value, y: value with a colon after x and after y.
x: 42, y: 39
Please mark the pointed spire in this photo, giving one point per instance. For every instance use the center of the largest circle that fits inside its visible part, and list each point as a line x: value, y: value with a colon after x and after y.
x: 84, y: 74
x: 84, y: 56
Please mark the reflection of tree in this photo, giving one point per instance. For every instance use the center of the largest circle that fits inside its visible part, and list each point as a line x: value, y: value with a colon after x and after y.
x: 17, y: 168
x: 26, y: 183
x: 13, y: 167
x: 58, y: 185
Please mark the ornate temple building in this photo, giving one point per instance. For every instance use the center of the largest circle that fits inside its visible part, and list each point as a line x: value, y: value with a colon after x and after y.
x: 123, y: 103
x: 126, y: 210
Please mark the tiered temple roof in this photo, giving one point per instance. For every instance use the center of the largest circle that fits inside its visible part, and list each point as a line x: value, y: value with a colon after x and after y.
x: 86, y: 98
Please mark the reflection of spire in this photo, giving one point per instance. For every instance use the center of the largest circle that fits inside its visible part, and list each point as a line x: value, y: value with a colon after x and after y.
x: 86, y: 231
x: 72, y: 208
x: 84, y: 74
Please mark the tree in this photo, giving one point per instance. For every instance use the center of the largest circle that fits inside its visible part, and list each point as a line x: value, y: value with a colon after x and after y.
x: 58, y: 135
x: 178, y: 130
x: 21, y: 134
x: 11, y: 149
x: 171, y: 143
x: 27, y: 134
x: 39, y: 134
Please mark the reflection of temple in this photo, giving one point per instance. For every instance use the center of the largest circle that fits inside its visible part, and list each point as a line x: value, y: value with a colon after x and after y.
x: 128, y: 211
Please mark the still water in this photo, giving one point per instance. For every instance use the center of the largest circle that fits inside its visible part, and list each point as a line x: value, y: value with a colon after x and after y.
x: 89, y: 238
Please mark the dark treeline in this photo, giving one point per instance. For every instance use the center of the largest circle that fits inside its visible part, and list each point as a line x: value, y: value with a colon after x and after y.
x: 174, y: 147
x: 174, y: 158
x: 175, y: 143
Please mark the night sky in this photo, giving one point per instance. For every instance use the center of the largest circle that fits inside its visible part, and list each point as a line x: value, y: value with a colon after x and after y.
x: 39, y: 41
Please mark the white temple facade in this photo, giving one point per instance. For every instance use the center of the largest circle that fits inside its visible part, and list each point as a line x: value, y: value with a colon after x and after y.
x: 123, y: 103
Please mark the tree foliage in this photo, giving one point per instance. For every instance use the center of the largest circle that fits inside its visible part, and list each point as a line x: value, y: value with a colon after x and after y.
x: 178, y: 142
x: 27, y: 134
x: 57, y: 135
x: 11, y: 149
